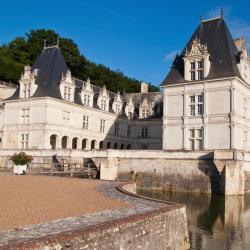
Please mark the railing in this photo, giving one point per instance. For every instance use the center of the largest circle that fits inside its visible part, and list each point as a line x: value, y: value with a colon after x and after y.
x: 63, y: 169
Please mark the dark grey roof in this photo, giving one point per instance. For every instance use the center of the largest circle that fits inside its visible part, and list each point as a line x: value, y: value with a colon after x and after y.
x: 51, y: 66
x: 215, y: 34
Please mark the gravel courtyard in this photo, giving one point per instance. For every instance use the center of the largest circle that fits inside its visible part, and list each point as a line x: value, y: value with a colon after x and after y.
x: 26, y: 200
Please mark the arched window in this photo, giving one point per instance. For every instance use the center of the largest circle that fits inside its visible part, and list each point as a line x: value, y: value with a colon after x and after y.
x: 74, y: 143
x: 53, y: 141
x: 64, y: 142
x: 84, y: 143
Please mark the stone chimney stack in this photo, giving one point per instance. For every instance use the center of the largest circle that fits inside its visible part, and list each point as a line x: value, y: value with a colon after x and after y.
x: 144, y: 87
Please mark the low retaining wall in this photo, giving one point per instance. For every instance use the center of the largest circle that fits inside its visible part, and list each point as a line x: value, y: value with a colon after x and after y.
x: 163, y: 228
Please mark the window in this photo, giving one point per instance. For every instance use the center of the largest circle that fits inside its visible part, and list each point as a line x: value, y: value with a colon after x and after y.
x: 196, y: 139
x: 129, y: 131
x: 200, y: 64
x: 67, y: 93
x: 85, y: 124
x: 196, y: 105
x: 24, y: 140
x: 197, y: 73
x: 117, y: 125
x: 145, y: 113
x: 130, y: 113
x: 200, y: 74
x: 244, y: 108
x: 192, y: 75
x: 25, y: 115
x: 26, y: 90
x: 192, y: 65
x: 66, y: 115
x: 117, y: 108
x: 103, y: 105
x: 102, y: 126
x: 144, y: 132
x: 86, y: 100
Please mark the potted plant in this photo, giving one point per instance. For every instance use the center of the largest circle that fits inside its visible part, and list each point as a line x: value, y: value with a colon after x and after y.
x: 20, y: 161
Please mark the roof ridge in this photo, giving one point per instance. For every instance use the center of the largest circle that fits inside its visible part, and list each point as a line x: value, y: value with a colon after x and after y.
x: 211, y: 19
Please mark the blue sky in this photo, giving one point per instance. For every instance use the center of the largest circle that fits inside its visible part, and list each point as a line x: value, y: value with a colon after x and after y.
x: 138, y: 37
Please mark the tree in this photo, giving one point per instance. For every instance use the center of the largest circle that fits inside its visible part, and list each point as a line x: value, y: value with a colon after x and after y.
x: 25, y: 50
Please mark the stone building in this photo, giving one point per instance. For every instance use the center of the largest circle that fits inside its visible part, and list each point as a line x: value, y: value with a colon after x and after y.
x: 207, y: 92
x: 51, y: 109
x: 204, y: 104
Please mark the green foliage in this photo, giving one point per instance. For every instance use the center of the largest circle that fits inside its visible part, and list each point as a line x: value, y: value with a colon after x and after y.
x: 24, y: 50
x: 21, y: 158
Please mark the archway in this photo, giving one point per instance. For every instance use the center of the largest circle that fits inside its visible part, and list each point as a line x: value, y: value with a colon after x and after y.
x: 129, y: 146
x: 74, y: 143
x: 116, y: 145
x: 0, y: 142
x: 101, y: 145
x: 109, y: 145
x: 53, y: 141
x: 65, y: 142
x: 122, y: 146
x: 84, y: 143
x: 93, y: 144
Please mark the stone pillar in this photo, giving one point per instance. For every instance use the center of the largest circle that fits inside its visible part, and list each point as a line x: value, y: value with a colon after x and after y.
x: 231, y: 177
x: 108, y: 169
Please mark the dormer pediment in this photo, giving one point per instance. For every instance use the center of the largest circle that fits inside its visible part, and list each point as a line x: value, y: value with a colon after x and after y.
x: 196, y: 49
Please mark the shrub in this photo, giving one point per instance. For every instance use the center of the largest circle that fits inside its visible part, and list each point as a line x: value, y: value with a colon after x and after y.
x: 21, y: 158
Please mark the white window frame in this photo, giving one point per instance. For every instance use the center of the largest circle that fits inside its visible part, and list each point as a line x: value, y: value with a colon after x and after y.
x: 144, y: 132
x: 196, y: 138
x: 85, y: 123
x: 24, y: 141
x: 25, y: 115
x: 102, y: 125
x: 196, y: 104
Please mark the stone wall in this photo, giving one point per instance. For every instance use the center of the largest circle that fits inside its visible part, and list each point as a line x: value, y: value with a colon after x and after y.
x: 164, y: 227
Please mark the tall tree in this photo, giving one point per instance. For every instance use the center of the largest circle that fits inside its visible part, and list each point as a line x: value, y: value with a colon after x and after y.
x: 24, y: 50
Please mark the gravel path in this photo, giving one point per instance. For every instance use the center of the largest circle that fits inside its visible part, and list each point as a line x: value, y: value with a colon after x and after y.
x: 26, y: 200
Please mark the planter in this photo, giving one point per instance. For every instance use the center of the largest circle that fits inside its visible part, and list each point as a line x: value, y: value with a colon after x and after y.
x: 20, y: 169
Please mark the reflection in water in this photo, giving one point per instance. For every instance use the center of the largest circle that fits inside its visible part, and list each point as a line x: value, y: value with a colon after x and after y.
x: 214, y: 222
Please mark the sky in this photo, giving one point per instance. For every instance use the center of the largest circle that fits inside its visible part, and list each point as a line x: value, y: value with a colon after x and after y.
x: 137, y: 37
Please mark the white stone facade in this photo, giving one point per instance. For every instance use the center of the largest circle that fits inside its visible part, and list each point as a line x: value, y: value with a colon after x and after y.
x: 99, y: 120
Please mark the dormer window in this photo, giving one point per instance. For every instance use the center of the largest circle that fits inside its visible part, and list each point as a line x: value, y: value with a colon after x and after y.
x: 103, y: 105
x: 86, y: 100
x: 145, y: 113
x: 26, y: 90
x: 27, y: 83
x: 67, y: 87
x: 67, y: 93
x: 196, y: 59
x: 117, y: 108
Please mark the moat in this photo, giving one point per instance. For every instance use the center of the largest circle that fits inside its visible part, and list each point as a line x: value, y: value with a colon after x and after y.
x: 214, y: 222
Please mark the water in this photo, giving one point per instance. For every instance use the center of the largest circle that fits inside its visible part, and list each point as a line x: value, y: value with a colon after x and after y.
x: 214, y: 222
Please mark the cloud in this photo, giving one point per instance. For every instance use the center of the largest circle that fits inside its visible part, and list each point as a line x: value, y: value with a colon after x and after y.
x: 170, y: 56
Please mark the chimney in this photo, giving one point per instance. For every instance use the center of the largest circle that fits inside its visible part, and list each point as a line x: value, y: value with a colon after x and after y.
x: 144, y: 87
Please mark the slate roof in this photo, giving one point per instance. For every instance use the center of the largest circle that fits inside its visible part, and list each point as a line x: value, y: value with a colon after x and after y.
x: 223, y: 52
x: 50, y: 66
